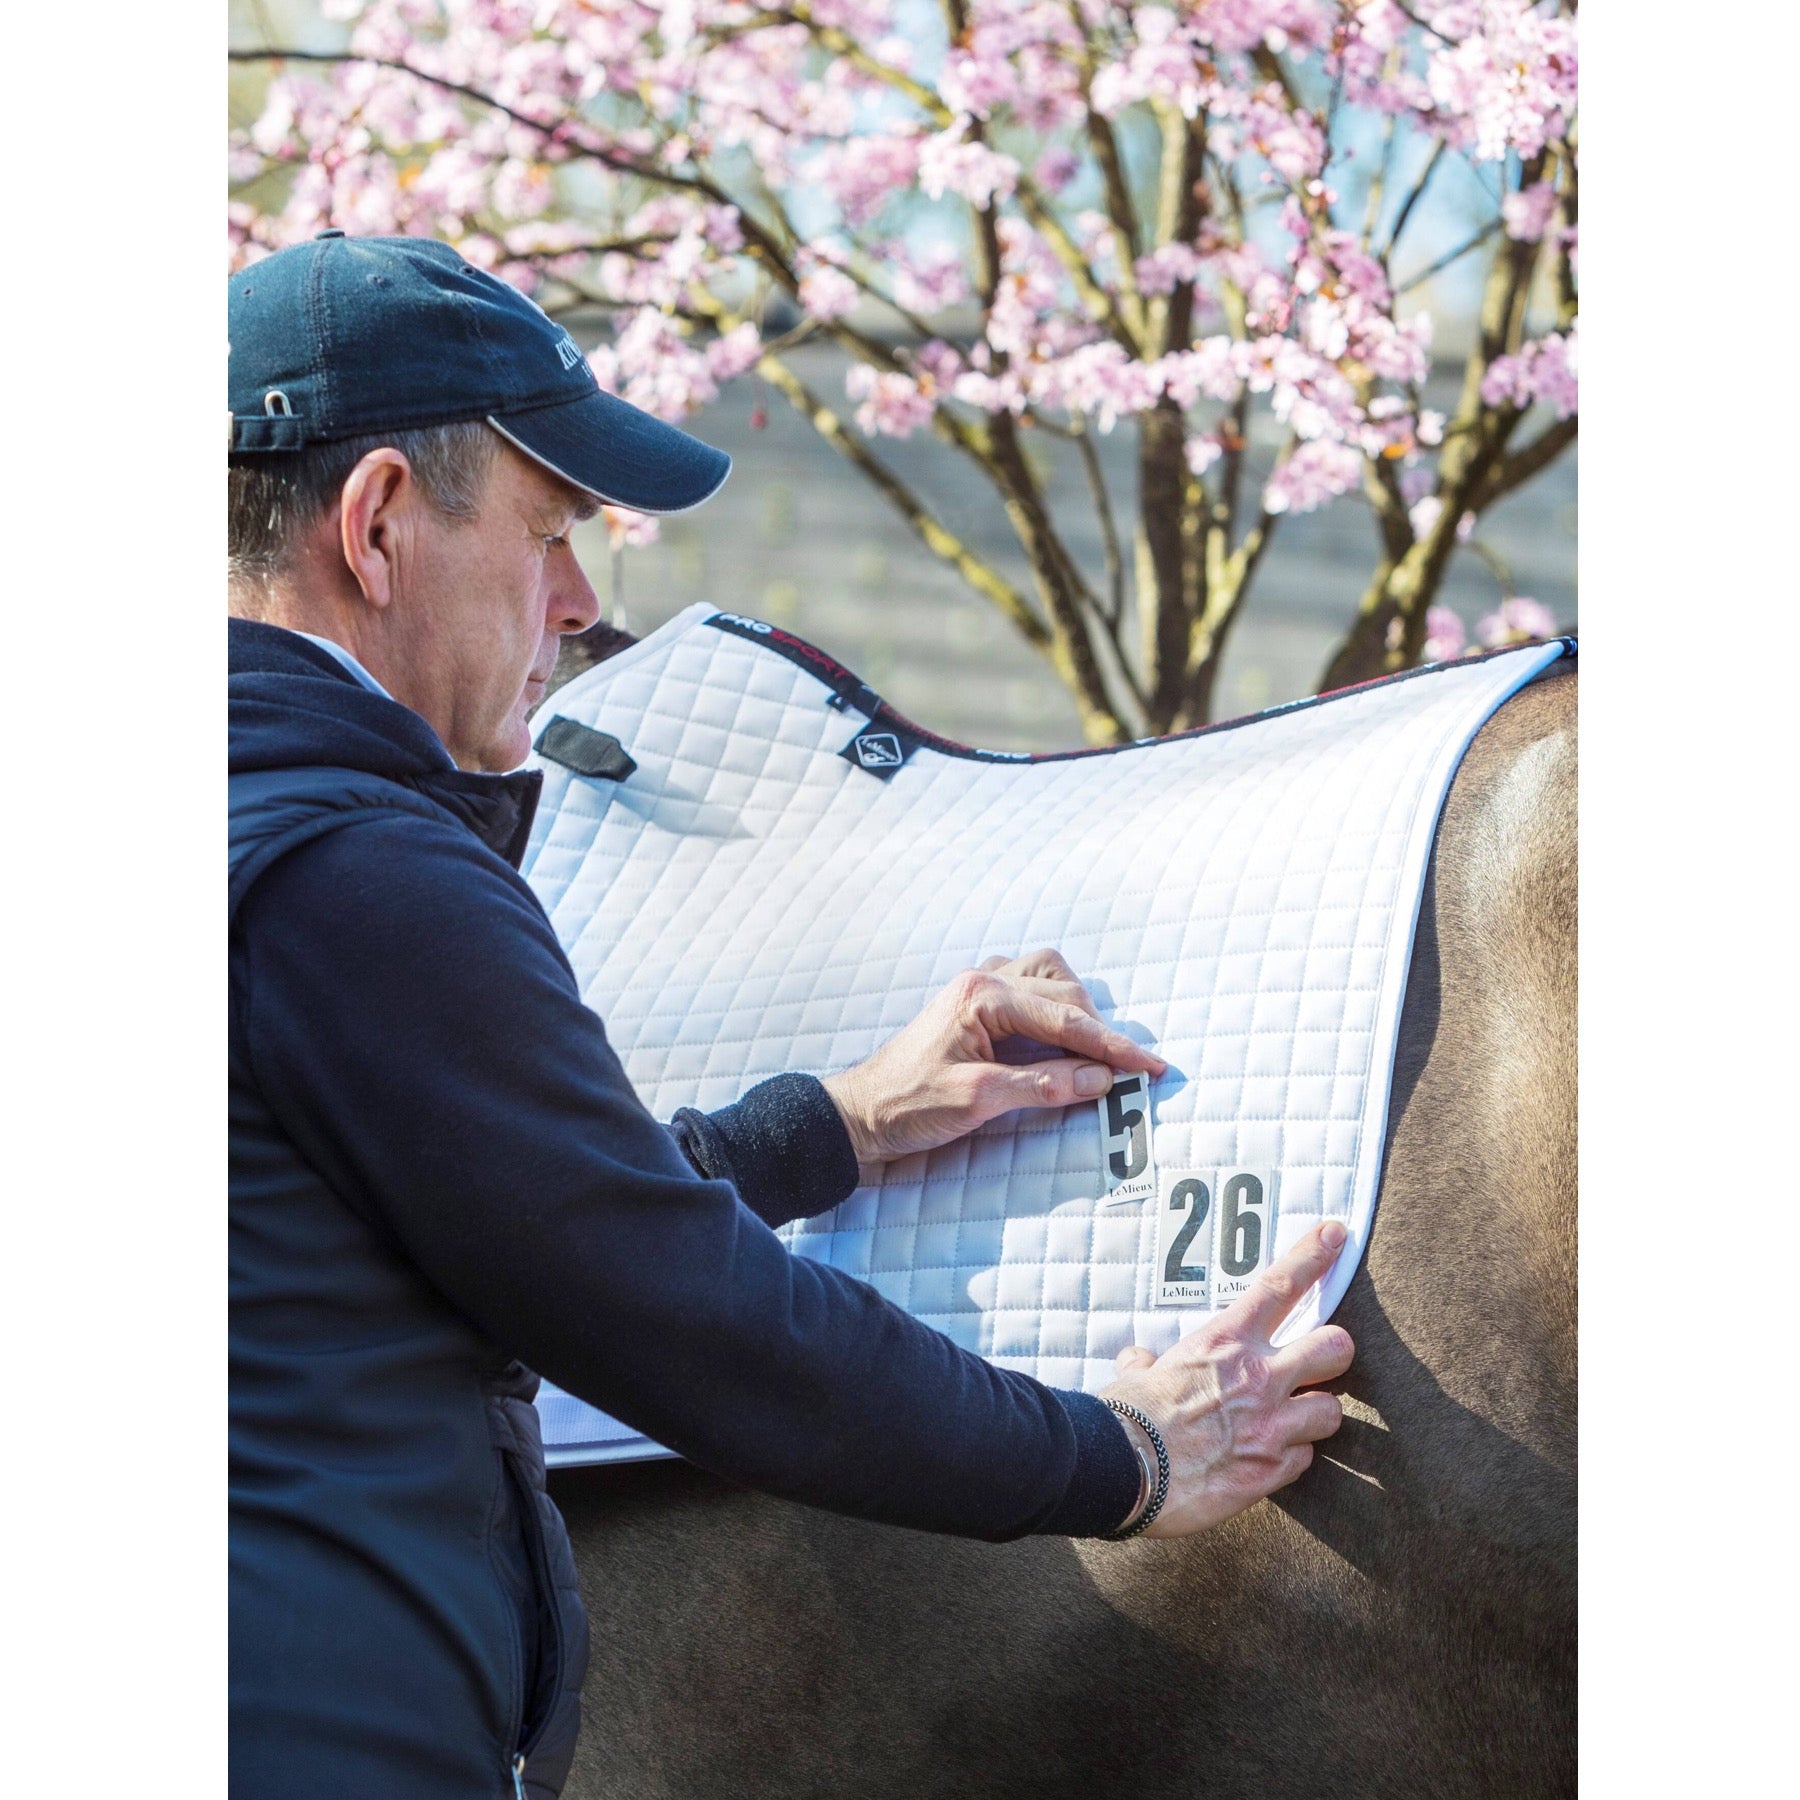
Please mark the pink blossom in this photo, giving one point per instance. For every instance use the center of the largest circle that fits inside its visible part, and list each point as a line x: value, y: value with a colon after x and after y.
x: 1544, y: 370
x: 1162, y: 64
x: 273, y: 130
x: 929, y: 281
x: 1519, y: 620
x: 735, y: 352
x: 948, y: 164
x: 1527, y: 212
x: 941, y: 363
x: 1203, y: 451
x: 862, y: 173
x: 629, y: 530
x: 659, y: 370
x: 828, y: 293
x: 521, y: 189
x: 1098, y: 378
x: 893, y: 405
x: 1507, y: 80
x: 1425, y: 512
x: 1445, y: 637
x: 1555, y: 374
x: 1291, y: 141
x: 1242, y: 25
x: 1293, y: 316
x: 1160, y: 270
x: 992, y: 394
x: 1314, y: 474
x: 1210, y: 368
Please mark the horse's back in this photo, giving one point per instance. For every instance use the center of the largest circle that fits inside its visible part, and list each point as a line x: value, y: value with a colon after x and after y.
x: 1399, y: 1622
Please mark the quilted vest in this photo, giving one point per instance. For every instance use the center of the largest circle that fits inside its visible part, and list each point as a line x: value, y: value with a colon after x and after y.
x: 405, y: 1618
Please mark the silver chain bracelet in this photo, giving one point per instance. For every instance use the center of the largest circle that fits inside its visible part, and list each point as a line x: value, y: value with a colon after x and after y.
x: 1159, y: 1490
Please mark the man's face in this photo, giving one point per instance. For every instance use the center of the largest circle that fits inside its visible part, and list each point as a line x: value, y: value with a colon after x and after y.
x: 488, y: 602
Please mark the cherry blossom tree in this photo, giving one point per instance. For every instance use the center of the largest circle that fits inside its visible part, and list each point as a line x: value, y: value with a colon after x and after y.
x: 1179, y: 220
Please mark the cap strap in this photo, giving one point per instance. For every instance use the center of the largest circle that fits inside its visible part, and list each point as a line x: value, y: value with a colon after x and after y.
x: 277, y: 431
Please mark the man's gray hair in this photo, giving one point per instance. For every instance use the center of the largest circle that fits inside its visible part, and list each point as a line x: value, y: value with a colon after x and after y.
x: 276, y: 499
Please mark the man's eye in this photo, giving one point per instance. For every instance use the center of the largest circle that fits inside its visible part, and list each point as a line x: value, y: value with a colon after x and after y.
x: 554, y: 541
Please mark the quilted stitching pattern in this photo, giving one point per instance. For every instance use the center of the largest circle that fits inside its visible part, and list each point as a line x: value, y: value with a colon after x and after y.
x: 749, y: 902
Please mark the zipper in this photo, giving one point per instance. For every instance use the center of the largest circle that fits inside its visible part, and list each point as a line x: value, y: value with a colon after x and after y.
x: 553, y: 1645
x: 518, y: 1775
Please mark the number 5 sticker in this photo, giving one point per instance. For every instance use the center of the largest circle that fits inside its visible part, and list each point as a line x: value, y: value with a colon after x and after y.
x: 1245, y: 1239
x: 1125, y: 1139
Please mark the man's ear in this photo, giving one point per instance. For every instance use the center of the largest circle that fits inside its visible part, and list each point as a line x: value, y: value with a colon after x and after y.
x: 377, y: 496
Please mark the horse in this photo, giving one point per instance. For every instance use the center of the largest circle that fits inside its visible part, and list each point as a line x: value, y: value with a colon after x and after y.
x: 1399, y: 1622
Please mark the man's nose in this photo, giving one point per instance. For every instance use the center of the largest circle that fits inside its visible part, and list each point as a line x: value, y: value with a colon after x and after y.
x: 574, y: 605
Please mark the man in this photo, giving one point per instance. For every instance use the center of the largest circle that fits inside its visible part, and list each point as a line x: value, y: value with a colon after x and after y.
x: 441, y: 1179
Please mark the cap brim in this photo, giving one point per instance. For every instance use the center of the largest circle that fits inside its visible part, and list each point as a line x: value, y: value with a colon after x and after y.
x: 610, y: 449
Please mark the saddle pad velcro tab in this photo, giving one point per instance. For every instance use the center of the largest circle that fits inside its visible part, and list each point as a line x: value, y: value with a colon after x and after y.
x: 586, y: 751
x: 1242, y: 898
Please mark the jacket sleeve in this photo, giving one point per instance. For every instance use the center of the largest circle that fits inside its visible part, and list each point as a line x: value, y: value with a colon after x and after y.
x: 414, y: 1025
x: 783, y: 1146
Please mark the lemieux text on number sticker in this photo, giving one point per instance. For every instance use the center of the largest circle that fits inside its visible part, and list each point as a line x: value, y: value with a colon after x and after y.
x: 1125, y: 1140
x: 1215, y: 1231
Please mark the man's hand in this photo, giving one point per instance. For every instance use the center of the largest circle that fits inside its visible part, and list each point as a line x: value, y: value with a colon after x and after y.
x: 949, y: 1070
x: 1224, y: 1397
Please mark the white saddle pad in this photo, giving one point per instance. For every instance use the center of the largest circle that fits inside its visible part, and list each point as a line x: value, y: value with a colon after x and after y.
x: 791, y: 871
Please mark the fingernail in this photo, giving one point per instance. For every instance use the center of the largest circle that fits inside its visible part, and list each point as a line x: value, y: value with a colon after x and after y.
x: 1091, y: 1080
x: 1332, y: 1235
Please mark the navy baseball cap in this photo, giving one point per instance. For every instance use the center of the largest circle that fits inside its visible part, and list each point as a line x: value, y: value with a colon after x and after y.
x: 342, y: 337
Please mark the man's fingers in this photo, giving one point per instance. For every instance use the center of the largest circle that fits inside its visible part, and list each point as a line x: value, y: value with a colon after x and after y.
x: 1307, y: 1418
x: 1005, y: 1009
x: 1133, y: 1358
x: 1044, y: 965
x: 1321, y: 1355
x: 1059, y: 1081
x: 1275, y: 1293
x: 1293, y: 1465
x: 1058, y: 992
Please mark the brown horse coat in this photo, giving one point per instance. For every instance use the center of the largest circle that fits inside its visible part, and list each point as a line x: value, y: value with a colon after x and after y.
x: 1400, y: 1622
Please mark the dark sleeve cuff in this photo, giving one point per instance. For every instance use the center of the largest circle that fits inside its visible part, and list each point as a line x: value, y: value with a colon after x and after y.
x: 783, y: 1147
x: 1106, y: 1480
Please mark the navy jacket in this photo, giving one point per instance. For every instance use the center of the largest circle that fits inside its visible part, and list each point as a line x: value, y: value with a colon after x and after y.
x: 441, y: 1181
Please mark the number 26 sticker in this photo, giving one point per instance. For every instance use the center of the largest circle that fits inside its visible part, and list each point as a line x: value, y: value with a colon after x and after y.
x: 1214, y: 1233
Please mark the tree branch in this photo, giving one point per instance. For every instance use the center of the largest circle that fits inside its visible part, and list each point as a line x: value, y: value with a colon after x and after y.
x: 1109, y: 530
x: 982, y: 576
x: 557, y: 130
x: 1528, y: 460
x: 1416, y: 194
x: 1444, y: 261
x: 1378, y: 181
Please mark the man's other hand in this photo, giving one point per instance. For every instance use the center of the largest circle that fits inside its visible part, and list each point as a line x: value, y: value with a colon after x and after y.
x: 956, y: 1065
x: 1224, y: 1397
